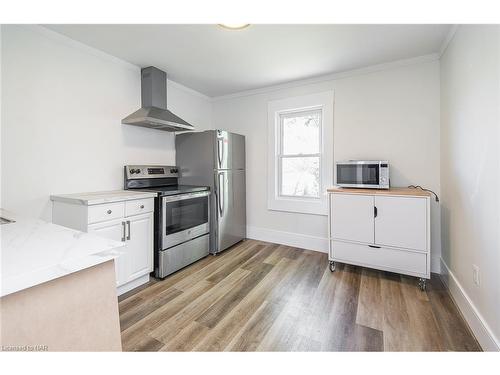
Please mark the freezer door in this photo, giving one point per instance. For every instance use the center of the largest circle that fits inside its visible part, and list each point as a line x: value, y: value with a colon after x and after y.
x: 230, y: 209
x: 194, y: 157
x: 229, y: 150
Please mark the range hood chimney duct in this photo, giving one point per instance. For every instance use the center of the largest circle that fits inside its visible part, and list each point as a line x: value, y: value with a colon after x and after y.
x: 154, y: 113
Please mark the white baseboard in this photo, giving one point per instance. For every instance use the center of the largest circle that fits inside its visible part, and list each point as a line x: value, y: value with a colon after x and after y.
x: 289, y: 239
x: 476, y: 322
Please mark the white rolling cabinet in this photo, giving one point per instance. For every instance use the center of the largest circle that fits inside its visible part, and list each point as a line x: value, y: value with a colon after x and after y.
x: 121, y: 217
x: 382, y: 229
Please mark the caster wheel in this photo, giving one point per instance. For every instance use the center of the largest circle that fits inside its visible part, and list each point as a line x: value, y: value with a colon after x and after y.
x: 332, y: 266
x: 422, y: 283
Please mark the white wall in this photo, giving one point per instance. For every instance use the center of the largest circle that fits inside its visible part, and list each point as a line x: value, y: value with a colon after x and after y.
x: 62, y: 104
x: 391, y: 113
x: 470, y: 175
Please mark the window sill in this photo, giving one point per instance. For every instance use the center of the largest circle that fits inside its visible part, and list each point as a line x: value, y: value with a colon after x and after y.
x: 296, y: 205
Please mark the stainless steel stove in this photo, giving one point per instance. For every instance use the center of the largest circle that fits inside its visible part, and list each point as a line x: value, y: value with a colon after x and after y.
x: 182, y: 220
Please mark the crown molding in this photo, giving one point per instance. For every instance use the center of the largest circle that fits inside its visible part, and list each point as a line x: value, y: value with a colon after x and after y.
x: 447, y: 40
x: 332, y: 76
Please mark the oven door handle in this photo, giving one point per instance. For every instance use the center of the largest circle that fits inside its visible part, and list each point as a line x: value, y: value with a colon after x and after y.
x: 220, y: 194
x: 182, y: 197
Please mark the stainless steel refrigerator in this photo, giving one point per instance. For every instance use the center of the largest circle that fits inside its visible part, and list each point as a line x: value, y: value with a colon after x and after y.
x: 216, y: 158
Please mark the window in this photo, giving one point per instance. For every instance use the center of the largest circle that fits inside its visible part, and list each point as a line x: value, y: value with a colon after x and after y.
x: 300, y: 153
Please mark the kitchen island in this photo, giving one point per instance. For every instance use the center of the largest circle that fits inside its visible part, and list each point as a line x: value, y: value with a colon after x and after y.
x: 58, y: 288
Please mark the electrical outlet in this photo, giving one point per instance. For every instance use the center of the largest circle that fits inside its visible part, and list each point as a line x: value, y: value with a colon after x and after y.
x: 475, y: 275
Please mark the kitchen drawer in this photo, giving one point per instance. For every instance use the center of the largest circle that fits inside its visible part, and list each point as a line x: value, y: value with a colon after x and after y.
x: 139, y: 206
x: 108, y: 211
x: 400, y: 261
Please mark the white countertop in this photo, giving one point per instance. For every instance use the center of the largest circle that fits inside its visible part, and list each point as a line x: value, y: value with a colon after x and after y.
x: 34, y: 251
x: 101, y: 197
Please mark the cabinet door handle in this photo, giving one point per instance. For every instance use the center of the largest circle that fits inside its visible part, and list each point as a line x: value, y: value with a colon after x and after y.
x: 375, y: 211
x: 123, y: 227
x: 142, y: 206
x: 128, y: 225
x: 373, y: 246
x: 109, y: 212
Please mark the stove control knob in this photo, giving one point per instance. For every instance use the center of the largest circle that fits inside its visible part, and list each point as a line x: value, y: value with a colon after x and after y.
x: 173, y: 170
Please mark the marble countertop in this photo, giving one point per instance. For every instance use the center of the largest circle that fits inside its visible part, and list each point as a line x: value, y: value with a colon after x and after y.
x: 101, y: 197
x: 34, y: 251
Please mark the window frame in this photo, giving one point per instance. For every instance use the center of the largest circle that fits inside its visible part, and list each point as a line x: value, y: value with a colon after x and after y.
x: 323, y: 101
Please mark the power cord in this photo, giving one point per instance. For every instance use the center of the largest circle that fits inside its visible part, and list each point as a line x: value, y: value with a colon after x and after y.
x: 421, y: 188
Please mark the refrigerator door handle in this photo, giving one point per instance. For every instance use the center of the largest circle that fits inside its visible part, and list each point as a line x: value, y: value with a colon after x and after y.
x: 220, y: 151
x: 220, y: 194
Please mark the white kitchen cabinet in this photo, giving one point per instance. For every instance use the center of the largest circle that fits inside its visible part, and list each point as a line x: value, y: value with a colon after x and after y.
x: 120, y: 217
x: 382, y: 229
x: 136, y: 231
x: 139, y: 236
x: 114, y: 230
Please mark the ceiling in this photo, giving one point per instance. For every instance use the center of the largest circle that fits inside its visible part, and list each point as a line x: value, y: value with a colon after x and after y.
x: 216, y: 61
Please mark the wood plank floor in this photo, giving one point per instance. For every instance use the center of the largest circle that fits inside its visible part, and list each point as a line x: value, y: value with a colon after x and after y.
x: 259, y: 296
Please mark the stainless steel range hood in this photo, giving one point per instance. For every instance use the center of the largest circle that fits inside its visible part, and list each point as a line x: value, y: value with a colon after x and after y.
x: 154, y: 112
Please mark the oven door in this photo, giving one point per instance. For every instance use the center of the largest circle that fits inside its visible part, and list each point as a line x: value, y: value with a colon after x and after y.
x: 184, y: 217
x: 358, y: 174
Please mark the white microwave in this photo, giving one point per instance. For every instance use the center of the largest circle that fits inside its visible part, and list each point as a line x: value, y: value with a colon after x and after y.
x: 372, y: 174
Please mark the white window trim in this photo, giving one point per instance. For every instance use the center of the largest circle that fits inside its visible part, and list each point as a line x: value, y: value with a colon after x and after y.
x: 323, y: 101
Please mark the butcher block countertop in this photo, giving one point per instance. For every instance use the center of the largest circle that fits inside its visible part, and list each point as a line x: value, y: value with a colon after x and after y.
x: 398, y: 191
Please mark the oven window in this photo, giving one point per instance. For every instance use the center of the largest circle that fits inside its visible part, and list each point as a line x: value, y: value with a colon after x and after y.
x: 185, y: 214
x: 355, y: 174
